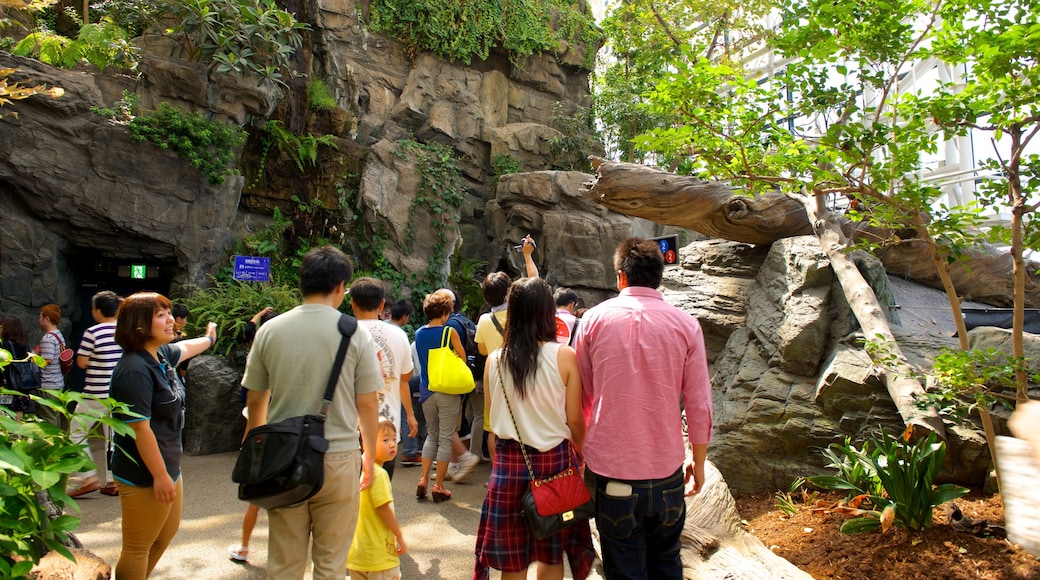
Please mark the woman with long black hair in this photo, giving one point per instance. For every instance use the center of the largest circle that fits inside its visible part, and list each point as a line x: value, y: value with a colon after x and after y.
x: 541, y: 380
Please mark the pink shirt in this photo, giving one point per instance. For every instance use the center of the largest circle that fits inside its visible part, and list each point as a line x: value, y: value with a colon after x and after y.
x: 639, y: 356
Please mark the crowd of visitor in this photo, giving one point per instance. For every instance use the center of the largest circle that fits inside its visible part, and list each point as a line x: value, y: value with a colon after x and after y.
x: 604, y: 390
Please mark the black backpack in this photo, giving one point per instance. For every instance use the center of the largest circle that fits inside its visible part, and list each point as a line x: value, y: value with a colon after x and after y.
x: 24, y: 377
x: 469, y: 344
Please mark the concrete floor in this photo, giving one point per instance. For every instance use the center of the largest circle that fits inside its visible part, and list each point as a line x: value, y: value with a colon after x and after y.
x: 440, y: 536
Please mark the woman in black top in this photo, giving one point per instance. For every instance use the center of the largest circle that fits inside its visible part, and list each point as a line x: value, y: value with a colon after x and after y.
x: 147, y: 467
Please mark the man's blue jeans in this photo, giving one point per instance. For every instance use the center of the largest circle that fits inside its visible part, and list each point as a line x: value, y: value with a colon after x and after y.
x: 639, y: 533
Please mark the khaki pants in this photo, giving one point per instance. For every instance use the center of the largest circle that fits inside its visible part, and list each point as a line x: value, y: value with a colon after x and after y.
x: 148, y: 527
x: 331, y: 516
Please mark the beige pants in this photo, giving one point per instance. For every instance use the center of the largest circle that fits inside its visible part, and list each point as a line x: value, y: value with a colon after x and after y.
x: 148, y: 528
x: 330, y: 517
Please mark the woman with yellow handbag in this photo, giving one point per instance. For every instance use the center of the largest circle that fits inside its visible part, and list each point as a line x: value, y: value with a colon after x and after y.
x: 443, y: 378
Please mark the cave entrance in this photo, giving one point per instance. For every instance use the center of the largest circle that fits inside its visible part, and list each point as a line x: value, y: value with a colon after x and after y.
x: 95, y: 271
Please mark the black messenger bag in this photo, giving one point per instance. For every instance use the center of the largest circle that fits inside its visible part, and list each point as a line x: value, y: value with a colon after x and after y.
x: 283, y: 463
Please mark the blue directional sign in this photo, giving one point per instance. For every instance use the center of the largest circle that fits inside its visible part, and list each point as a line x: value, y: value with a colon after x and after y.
x: 669, y: 246
x: 252, y: 269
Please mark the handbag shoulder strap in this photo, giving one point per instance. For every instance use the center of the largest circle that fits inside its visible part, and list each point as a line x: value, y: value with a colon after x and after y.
x: 445, y: 336
x: 498, y: 325
x: 57, y: 337
x: 574, y: 330
x: 523, y: 448
x: 347, y: 325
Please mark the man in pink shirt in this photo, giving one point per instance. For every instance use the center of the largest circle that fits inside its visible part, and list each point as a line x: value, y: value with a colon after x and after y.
x: 642, y: 361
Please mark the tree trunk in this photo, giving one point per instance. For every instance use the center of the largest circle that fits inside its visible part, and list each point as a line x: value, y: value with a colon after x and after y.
x: 714, y: 209
x: 898, y: 377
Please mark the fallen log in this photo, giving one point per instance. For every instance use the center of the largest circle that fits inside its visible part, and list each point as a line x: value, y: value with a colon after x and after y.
x: 715, y: 209
x: 716, y: 545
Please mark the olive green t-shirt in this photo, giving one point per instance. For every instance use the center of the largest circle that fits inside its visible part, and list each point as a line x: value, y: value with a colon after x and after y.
x: 292, y: 357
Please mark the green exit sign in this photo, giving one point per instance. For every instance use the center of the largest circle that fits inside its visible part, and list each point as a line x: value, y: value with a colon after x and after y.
x: 137, y: 271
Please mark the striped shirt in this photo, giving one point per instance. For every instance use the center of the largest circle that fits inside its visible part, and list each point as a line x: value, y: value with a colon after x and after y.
x: 100, y: 347
x: 50, y: 348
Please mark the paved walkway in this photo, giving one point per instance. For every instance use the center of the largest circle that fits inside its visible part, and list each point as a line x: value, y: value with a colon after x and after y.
x: 440, y: 536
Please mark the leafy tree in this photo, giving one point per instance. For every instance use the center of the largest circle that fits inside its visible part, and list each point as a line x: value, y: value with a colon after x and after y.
x: 643, y: 40
x: 833, y: 116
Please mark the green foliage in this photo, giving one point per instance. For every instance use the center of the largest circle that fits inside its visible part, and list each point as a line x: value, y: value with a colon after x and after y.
x: 645, y: 38
x: 502, y: 164
x: 465, y: 277
x: 135, y: 16
x: 122, y: 111
x: 964, y: 380
x: 439, y: 195
x: 250, y: 37
x: 36, y: 458
x: 302, y: 149
x: 569, y: 151
x: 101, y: 44
x: 855, y: 477
x: 319, y: 98
x: 905, y: 471
x: 210, y: 146
x: 470, y: 29
x: 791, y: 501
x: 231, y: 304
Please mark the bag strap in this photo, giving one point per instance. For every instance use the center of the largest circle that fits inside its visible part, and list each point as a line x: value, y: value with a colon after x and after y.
x: 445, y: 337
x: 58, y: 338
x: 347, y: 325
x: 574, y: 329
x: 498, y: 325
x: 523, y: 448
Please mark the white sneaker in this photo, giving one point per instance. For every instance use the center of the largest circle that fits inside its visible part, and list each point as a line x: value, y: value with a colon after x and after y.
x: 449, y: 475
x: 466, y: 463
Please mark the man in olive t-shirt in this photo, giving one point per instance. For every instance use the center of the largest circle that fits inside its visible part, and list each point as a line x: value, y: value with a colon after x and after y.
x: 286, y: 375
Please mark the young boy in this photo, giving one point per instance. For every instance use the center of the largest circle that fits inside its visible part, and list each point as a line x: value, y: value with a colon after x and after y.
x: 378, y: 543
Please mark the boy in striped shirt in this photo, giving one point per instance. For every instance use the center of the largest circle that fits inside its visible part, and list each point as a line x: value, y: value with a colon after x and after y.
x: 98, y: 353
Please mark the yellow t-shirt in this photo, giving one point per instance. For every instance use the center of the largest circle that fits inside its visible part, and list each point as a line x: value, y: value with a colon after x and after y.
x: 374, y: 547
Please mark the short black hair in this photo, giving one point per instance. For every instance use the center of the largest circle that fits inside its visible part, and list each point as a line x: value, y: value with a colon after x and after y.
x: 322, y: 269
x: 107, y: 302
x: 367, y: 293
x: 565, y: 296
x: 641, y: 261
x: 179, y: 311
x: 495, y: 288
x: 401, y: 308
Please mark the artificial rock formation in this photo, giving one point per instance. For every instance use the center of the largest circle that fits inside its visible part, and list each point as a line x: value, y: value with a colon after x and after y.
x: 789, y: 375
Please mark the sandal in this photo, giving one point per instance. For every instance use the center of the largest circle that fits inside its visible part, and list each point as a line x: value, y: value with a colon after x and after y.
x: 420, y: 490
x: 440, y: 494
x: 238, y: 553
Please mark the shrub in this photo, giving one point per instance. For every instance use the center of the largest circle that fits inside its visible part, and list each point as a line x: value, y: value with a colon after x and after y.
x: 210, y: 146
x: 231, y: 304
x: 906, y: 473
x: 101, y: 44
x: 36, y: 458
x: 249, y: 37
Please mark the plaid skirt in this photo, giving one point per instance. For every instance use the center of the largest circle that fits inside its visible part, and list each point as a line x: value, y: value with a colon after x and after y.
x: 503, y: 541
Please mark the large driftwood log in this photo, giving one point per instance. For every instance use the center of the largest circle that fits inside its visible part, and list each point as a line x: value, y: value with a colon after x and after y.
x: 715, y: 209
x: 715, y: 545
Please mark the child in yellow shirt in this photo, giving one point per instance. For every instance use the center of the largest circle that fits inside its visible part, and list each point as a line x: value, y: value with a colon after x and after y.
x: 378, y: 543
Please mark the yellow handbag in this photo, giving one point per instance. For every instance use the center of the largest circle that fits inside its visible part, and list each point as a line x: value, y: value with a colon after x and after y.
x: 448, y: 373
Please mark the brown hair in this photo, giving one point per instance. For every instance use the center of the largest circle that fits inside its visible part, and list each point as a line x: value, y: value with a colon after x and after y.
x: 386, y: 426
x: 53, y: 312
x: 134, y: 321
x: 14, y: 331
x: 437, y: 304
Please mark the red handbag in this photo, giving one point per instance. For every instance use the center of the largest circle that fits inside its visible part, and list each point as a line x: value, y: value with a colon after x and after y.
x: 552, y: 504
